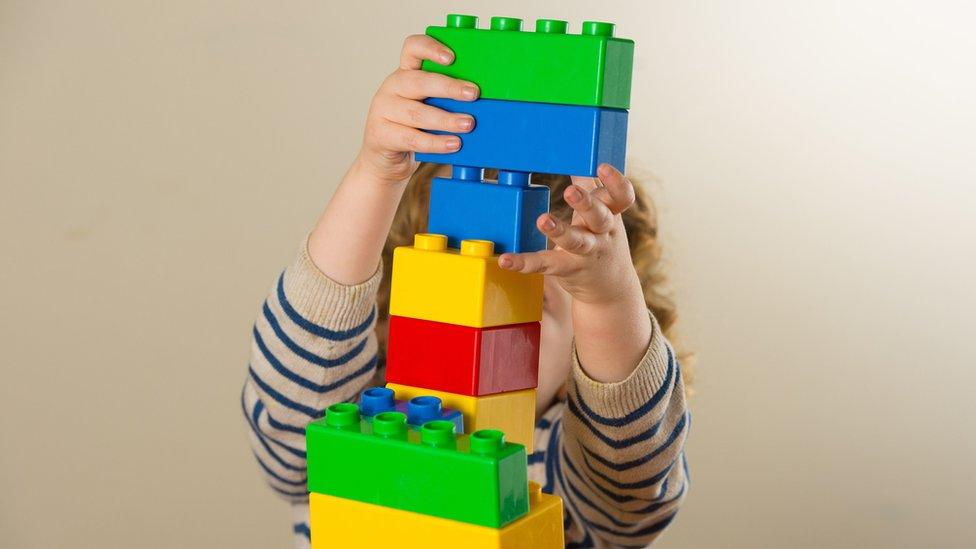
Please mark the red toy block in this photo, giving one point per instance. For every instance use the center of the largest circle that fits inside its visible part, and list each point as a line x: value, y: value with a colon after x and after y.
x: 462, y: 360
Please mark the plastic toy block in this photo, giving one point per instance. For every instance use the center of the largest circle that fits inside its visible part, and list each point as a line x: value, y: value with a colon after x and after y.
x: 466, y: 286
x: 460, y: 359
x: 479, y: 479
x: 512, y: 413
x: 536, y: 137
x: 337, y: 522
x: 419, y: 410
x: 548, y: 66
x: 504, y: 212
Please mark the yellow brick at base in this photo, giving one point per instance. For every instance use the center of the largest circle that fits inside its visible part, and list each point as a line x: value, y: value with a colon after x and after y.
x: 512, y: 413
x: 465, y: 287
x: 338, y: 522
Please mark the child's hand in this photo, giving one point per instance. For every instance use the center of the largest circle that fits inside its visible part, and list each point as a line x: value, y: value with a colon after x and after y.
x: 591, y: 258
x: 398, y: 113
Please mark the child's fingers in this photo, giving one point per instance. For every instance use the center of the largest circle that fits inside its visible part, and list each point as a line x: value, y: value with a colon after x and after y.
x: 415, y: 114
x: 549, y: 262
x: 617, y: 191
x: 572, y: 239
x: 421, y: 85
x: 418, y: 47
x: 585, y: 183
x: 594, y: 213
x: 402, y: 138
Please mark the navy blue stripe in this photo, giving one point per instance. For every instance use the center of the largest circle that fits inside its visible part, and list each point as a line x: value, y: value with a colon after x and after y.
x: 256, y: 416
x: 639, y: 412
x: 645, y: 458
x: 282, y: 399
x: 551, y: 456
x: 557, y: 475
x: 684, y: 463
x: 537, y: 457
x: 615, y: 496
x: 303, y: 493
x: 610, y: 495
x: 302, y: 529
x: 641, y: 511
x: 284, y: 426
x: 568, y: 486
x: 652, y: 529
x: 543, y: 424
x: 305, y: 353
x: 301, y: 381
x: 263, y: 440
x: 582, y: 497
x: 259, y: 407
x: 639, y: 533
x: 276, y: 476
x: 315, y: 329
x: 615, y: 444
x: 646, y: 483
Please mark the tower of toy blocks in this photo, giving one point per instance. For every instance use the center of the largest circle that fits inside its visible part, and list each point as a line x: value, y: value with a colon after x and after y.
x: 438, y: 457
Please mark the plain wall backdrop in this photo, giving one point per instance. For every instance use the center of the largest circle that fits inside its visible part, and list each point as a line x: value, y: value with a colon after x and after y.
x: 813, y: 166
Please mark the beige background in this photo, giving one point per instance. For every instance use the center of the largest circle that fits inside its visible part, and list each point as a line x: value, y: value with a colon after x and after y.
x: 159, y: 162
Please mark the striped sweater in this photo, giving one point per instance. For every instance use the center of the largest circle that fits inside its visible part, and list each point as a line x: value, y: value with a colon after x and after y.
x: 612, y: 451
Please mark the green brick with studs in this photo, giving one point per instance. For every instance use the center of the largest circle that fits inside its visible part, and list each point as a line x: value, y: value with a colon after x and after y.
x: 592, y: 68
x: 478, y: 478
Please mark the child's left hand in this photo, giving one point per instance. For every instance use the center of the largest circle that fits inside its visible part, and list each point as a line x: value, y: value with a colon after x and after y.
x: 591, y: 258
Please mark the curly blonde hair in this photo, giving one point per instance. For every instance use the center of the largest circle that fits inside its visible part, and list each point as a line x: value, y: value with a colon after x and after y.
x: 640, y: 222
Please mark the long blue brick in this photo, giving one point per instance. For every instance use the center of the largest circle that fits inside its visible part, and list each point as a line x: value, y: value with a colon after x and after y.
x: 536, y: 137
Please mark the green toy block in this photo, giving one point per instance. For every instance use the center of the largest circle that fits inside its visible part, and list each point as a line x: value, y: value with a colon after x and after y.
x: 546, y: 66
x: 478, y: 478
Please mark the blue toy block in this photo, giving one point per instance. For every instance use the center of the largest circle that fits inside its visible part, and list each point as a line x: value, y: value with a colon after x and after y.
x: 503, y: 212
x: 536, y: 137
x: 419, y: 410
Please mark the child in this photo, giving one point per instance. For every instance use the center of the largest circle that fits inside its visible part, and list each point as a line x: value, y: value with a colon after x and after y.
x: 612, y: 418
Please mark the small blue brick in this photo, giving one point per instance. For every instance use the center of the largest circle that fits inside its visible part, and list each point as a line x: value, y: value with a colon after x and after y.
x: 536, y: 137
x: 503, y: 213
x: 419, y: 410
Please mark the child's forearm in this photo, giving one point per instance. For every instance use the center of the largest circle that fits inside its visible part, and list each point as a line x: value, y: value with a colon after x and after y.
x: 348, y: 238
x: 612, y: 336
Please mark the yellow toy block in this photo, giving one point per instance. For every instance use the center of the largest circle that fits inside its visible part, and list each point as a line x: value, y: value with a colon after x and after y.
x: 466, y: 286
x: 512, y: 413
x: 338, y: 522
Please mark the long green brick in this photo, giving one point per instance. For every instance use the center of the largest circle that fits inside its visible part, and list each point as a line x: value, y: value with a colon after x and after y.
x: 478, y: 479
x: 546, y: 66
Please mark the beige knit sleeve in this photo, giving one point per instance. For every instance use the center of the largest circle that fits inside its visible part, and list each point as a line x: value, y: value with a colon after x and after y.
x: 621, y: 467
x: 312, y: 345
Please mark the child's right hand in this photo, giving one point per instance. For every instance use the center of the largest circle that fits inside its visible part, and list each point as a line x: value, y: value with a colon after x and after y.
x: 397, y: 113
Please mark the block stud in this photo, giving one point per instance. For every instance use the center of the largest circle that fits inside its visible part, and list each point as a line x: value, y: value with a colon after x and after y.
x: 550, y: 26
x: 430, y: 242
x: 597, y: 28
x: 376, y: 400
x: 535, y: 493
x: 439, y: 434
x: 515, y: 179
x: 458, y: 21
x: 487, y: 441
x: 390, y: 425
x: 477, y: 248
x: 467, y: 173
x: 506, y: 24
x: 422, y: 409
x: 343, y: 415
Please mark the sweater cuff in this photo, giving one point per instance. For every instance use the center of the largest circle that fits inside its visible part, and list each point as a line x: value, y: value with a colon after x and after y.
x: 623, y: 397
x: 324, y: 301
